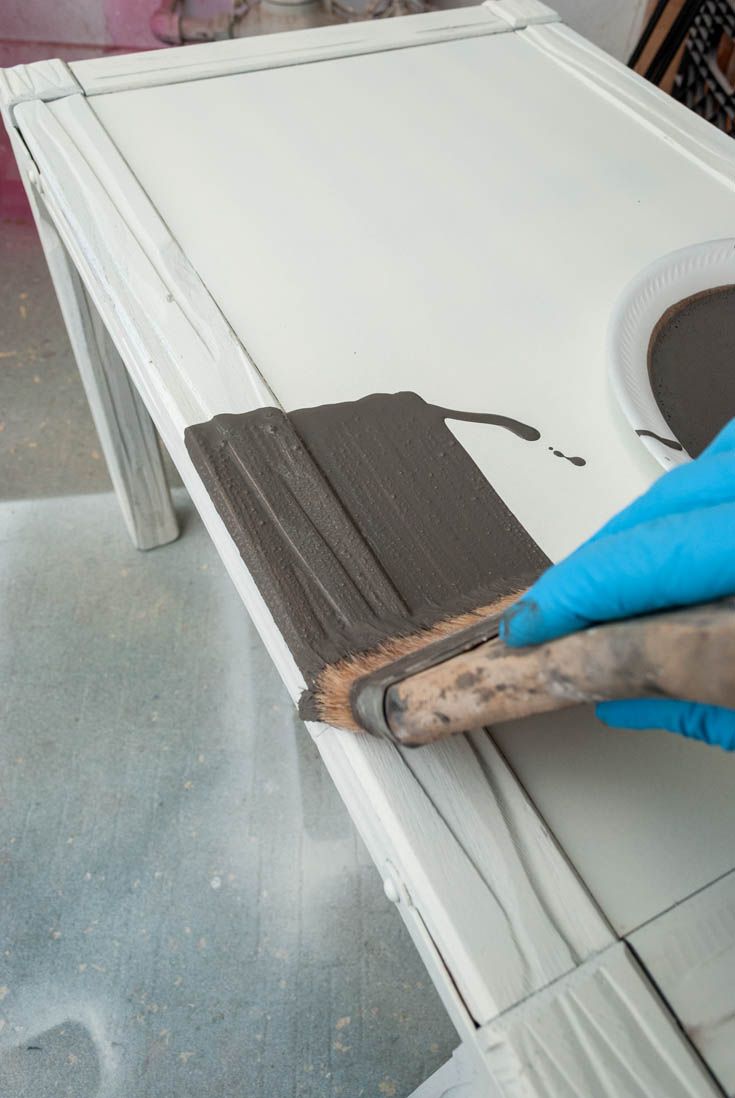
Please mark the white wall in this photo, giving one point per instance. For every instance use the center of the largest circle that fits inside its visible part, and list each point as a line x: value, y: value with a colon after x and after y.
x: 614, y: 25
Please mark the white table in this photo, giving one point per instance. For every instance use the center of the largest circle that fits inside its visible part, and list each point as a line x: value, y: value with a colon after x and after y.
x: 449, y: 204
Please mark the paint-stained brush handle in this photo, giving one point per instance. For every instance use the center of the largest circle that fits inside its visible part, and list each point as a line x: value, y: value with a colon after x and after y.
x: 683, y: 654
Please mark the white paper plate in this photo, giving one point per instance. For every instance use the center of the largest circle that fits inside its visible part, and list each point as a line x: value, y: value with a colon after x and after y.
x: 637, y: 311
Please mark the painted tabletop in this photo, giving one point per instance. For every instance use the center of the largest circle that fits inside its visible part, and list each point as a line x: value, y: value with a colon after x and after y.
x: 458, y: 219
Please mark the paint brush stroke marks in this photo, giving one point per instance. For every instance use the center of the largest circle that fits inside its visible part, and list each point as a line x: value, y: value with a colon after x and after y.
x: 362, y: 520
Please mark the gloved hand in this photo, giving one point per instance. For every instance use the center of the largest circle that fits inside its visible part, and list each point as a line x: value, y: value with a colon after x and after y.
x: 673, y: 546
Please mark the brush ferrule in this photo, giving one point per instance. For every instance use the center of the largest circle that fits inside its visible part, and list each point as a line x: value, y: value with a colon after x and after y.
x: 368, y: 694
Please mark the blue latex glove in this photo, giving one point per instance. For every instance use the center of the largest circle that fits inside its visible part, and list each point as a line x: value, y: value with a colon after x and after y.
x: 673, y: 546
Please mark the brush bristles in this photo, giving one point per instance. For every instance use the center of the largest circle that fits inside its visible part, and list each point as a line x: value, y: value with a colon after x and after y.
x: 333, y: 687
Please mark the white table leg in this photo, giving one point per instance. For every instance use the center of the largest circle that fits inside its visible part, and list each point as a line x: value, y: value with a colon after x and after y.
x: 458, y: 1078
x: 126, y: 432
x: 603, y: 1031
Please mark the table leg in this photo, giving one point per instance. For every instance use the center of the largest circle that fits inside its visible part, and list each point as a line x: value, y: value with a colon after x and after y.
x: 126, y: 432
x: 458, y: 1078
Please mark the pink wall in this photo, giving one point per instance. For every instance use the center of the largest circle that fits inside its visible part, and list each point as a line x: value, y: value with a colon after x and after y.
x: 121, y: 24
x: 31, y: 30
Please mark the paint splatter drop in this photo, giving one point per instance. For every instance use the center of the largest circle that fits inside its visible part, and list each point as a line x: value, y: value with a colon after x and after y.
x: 574, y: 460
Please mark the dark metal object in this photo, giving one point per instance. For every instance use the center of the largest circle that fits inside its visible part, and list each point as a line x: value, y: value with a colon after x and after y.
x: 369, y: 694
x: 702, y: 35
x: 706, y: 76
x: 648, y: 30
x: 672, y: 42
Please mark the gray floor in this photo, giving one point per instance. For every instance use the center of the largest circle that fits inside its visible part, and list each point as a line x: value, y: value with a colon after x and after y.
x: 185, y: 909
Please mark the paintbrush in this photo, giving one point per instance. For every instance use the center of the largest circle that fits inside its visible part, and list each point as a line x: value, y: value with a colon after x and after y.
x: 451, y: 679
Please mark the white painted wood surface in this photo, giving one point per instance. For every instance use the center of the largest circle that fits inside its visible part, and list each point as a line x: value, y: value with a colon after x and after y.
x: 668, y: 120
x: 521, y: 13
x: 492, y: 903
x: 491, y: 887
x: 474, y: 902
x: 125, y: 430
x: 202, y: 366
x: 646, y: 817
x: 44, y: 80
x: 457, y: 1079
x: 291, y: 48
x: 691, y: 949
x: 471, y: 250
x: 601, y: 1033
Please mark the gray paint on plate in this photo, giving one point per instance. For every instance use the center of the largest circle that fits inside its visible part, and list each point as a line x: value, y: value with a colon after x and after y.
x: 691, y: 366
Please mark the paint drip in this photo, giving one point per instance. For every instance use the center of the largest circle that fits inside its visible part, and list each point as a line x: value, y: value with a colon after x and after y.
x: 670, y: 442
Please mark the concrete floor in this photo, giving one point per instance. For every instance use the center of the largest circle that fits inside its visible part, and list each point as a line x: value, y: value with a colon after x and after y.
x: 185, y: 908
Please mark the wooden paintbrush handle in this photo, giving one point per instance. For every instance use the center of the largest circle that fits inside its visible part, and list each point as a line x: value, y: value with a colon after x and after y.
x: 687, y: 654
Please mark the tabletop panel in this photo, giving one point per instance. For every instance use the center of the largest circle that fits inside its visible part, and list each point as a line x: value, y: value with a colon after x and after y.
x: 457, y: 219
x: 454, y: 219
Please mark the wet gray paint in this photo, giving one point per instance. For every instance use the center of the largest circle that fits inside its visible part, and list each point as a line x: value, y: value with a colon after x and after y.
x: 670, y: 442
x: 574, y: 460
x: 522, y: 430
x: 361, y: 520
x: 690, y: 365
